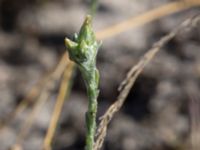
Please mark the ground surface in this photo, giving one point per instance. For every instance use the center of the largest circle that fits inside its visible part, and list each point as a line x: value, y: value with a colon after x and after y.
x: 156, y: 112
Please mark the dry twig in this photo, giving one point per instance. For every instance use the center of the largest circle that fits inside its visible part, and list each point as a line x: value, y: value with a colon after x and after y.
x: 63, y: 92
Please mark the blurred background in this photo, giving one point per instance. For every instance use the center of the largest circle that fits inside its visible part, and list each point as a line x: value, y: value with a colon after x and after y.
x: 161, y: 111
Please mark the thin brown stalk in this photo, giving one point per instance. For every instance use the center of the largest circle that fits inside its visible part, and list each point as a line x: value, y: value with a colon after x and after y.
x: 43, y: 97
x: 132, y: 76
x: 33, y: 93
x: 63, y: 92
x: 146, y: 17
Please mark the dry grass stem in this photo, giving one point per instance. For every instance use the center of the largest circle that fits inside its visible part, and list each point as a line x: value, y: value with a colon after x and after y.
x: 64, y: 89
x: 132, y: 76
x: 34, y: 92
x: 148, y: 16
x: 45, y: 92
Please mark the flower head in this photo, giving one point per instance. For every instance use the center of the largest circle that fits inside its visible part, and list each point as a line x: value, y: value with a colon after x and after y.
x: 85, y: 46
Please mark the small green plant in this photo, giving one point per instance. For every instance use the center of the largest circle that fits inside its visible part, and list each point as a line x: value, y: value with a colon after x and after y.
x: 83, y: 51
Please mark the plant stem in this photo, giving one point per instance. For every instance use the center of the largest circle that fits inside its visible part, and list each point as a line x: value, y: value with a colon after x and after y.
x: 93, y: 7
x: 92, y: 93
x: 83, y: 52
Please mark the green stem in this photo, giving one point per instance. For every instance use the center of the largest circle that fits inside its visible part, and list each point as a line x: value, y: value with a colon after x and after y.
x: 93, y: 7
x: 92, y: 93
x: 83, y: 52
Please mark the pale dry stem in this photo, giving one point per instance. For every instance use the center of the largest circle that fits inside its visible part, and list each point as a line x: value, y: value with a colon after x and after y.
x: 45, y: 92
x: 63, y: 91
x: 146, y: 17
